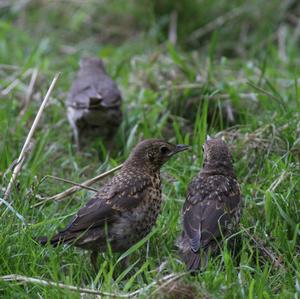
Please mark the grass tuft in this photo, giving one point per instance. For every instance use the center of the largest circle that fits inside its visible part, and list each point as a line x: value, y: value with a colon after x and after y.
x: 233, y: 73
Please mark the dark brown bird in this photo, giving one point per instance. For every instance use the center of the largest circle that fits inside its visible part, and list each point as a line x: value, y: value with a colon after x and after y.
x: 126, y: 208
x: 93, y: 103
x: 212, y: 207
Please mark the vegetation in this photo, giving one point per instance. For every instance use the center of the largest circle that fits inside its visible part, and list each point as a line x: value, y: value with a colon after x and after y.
x: 229, y: 56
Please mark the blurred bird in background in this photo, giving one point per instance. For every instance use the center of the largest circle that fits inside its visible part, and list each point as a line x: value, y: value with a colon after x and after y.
x: 212, y: 207
x: 93, y: 104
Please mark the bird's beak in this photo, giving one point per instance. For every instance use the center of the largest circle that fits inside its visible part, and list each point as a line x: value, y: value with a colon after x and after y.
x: 180, y: 148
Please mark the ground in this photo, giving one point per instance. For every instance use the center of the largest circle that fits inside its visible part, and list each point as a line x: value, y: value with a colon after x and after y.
x: 226, y: 58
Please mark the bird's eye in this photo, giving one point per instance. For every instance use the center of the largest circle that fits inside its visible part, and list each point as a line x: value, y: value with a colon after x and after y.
x: 203, y: 148
x: 164, y: 149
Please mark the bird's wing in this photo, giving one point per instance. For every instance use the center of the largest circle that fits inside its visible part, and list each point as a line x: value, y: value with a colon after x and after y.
x: 114, y: 198
x: 94, y: 89
x: 83, y: 95
x: 207, y: 209
x: 110, y: 92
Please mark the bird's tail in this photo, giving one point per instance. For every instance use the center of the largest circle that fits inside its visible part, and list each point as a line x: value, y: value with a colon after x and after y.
x: 193, y: 260
x: 95, y: 102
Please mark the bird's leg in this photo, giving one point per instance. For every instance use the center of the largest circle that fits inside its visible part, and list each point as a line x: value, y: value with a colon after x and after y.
x: 94, y: 256
x: 74, y: 129
x: 76, y: 138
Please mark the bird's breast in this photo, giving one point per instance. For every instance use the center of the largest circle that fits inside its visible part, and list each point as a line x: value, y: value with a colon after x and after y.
x: 146, y: 213
x: 135, y: 224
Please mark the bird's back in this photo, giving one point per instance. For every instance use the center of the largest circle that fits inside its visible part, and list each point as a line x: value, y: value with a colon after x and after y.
x: 91, y: 84
x: 128, y: 205
x: 212, y: 209
x: 93, y: 105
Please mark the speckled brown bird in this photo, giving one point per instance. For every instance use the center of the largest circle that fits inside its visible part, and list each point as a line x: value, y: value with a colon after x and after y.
x: 212, y: 207
x: 126, y: 208
x: 93, y: 103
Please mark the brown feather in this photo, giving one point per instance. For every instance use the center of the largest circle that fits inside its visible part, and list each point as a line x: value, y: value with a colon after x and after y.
x: 126, y: 208
x: 93, y: 103
x: 211, y: 207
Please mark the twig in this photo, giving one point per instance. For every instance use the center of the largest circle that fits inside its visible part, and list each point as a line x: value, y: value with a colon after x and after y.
x: 167, y: 282
x: 74, y: 189
x: 173, y: 28
x: 21, y: 158
x: 275, y: 260
x: 278, y: 181
x: 69, y: 182
x: 260, y: 89
x: 10, y: 87
x: 15, y: 81
x: 22, y: 278
x: 9, y: 67
x: 229, y: 111
x: 26, y: 279
x: 282, y: 35
x: 218, y: 22
x: 183, y: 86
x: 9, y: 206
x: 10, y: 168
x: 29, y: 91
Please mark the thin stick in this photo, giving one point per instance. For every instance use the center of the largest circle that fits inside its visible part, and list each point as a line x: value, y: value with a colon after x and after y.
x: 22, y: 278
x: 21, y: 158
x: 216, y: 23
x: 265, y: 251
x: 70, y: 182
x: 278, y: 181
x: 167, y: 282
x: 173, y: 28
x: 74, y: 189
x: 9, y: 67
x: 16, y: 277
x: 29, y: 91
x: 9, y: 206
x: 282, y: 35
x: 266, y: 93
x: 199, y: 85
x: 10, y: 87
x: 15, y: 82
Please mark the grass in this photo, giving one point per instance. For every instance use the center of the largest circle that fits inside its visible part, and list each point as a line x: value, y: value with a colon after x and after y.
x: 174, y: 92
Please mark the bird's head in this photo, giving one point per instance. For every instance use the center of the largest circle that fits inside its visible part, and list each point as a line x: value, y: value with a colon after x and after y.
x: 216, y: 153
x: 91, y: 62
x: 153, y: 153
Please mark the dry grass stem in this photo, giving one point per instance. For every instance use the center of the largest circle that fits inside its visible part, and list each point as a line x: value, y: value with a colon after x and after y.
x: 70, y: 182
x: 9, y: 67
x: 21, y: 278
x: 279, y: 180
x: 29, y: 91
x: 276, y: 260
x: 76, y: 188
x: 21, y: 158
x: 10, y: 87
x: 164, y: 283
x: 216, y: 23
x: 15, y: 81
x: 173, y: 28
x: 9, y: 206
x: 269, y: 94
